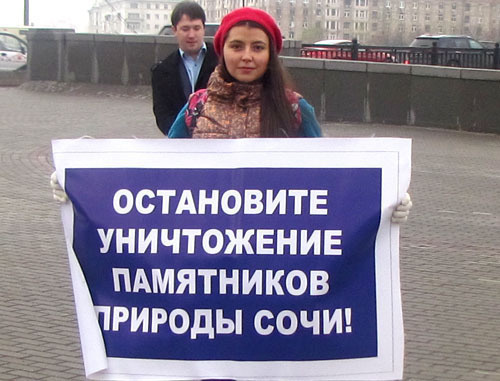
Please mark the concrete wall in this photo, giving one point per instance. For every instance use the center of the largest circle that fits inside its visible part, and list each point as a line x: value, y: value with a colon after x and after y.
x: 455, y: 98
x: 95, y: 58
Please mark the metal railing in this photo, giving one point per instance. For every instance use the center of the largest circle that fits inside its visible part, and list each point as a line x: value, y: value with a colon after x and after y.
x: 466, y: 58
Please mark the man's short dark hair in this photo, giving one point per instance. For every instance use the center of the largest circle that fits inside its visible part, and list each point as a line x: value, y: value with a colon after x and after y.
x: 189, y: 8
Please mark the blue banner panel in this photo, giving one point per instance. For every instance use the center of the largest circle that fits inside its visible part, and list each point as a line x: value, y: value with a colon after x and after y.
x: 248, y: 264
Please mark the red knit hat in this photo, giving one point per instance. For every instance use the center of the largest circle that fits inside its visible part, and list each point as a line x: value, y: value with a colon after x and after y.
x: 247, y: 14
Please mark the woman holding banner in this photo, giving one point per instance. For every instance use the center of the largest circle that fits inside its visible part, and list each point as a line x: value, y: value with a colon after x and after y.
x: 248, y: 95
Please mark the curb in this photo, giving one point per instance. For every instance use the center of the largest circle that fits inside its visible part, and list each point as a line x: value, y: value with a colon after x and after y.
x: 88, y: 89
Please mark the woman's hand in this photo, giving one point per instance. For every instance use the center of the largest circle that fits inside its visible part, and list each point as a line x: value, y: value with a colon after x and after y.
x: 57, y: 192
x: 402, y: 211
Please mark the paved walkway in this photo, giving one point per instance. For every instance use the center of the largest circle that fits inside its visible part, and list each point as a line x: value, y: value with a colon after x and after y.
x: 450, y: 247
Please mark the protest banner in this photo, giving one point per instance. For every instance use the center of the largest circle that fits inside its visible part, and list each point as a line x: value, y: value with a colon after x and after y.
x: 249, y: 259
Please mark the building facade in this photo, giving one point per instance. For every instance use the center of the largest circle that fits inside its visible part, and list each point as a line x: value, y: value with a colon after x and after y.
x: 130, y: 16
x: 372, y: 22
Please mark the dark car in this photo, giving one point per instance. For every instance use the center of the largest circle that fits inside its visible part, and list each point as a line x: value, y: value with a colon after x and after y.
x: 446, y: 41
x: 449, y: 50
x: 210, y: 30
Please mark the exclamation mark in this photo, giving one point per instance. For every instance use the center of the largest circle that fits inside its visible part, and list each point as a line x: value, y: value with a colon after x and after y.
x: 348, y: 327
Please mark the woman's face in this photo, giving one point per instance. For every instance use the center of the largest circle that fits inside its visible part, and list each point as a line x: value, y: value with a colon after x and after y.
x: 246, y: 53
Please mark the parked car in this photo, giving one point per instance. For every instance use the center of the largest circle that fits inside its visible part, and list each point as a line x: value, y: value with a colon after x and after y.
x: 345, y: 50
x: 449, y: 50
x: 13, y: 52
x: 334, y: 42
x: 446, y: 41
x: 210, y: 30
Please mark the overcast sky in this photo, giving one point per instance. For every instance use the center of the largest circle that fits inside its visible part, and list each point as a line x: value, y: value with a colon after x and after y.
x: 47, y: 13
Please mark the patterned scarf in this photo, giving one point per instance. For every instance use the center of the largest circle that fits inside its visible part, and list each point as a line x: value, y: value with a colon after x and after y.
x: 231, y: 110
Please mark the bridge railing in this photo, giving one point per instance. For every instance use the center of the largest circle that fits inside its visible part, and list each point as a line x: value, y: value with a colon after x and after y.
x: 466, y: 58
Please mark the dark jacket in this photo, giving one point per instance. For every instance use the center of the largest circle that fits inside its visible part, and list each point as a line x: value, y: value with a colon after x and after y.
x: 171, y: 87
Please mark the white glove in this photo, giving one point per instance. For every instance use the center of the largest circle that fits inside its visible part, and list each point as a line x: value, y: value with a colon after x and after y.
x: 402, y: 211
x: 57, y: 192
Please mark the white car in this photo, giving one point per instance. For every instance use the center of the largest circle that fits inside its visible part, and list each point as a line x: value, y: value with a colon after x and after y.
x: 13, y: 52
x: 334, y: 42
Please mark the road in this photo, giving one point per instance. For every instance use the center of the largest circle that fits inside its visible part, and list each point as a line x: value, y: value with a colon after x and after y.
x: 450, y: 247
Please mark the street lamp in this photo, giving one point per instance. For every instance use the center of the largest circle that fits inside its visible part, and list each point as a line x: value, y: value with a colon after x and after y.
x: 26, y: 12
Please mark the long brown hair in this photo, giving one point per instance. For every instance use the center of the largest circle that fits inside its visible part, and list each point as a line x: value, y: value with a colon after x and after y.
x: 276, y: 116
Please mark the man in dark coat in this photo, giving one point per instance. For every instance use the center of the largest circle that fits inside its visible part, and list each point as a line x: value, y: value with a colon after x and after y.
x: 185, y: 70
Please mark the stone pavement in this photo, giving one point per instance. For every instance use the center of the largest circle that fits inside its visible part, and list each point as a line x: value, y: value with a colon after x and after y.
x: 450, y: 247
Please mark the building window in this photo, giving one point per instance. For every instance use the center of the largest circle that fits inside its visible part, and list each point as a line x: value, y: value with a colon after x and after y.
x: 467, y: 19
x: 467, y: 7
x: 360, y: 14
x: 415, y: 17
x: 347, y: 25
x: 453, y: 18
x: 402, y: 4
x: 134, y: 6
x: 331, y: 12
x: 427, y: 29
x: 374, y: 27
x: 401, y: 16
x: 427, y: 17
x: 360, y: 26
x: 413, y: 28
x: 427, y: 5
x: 415, y: 5
x: 332, y: 25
